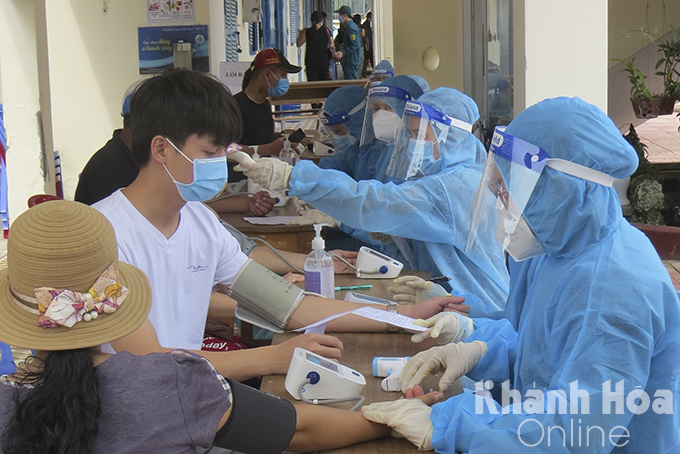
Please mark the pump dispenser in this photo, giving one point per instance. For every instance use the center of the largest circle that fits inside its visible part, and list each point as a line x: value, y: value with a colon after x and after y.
x: 319, y: 268
x: 287, y: 154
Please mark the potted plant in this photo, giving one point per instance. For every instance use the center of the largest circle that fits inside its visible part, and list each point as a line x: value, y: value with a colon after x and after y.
x: 645, y: 191
x: 646, y: 104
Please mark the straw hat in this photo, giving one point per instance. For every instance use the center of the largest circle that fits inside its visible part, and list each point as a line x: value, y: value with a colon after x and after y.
x: 66, y: 245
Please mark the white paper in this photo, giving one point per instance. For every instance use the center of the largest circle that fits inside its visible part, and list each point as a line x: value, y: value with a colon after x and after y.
x: 269, y: 220
x: 379, y: 315
x: 321, y: 322
x: 402, y: 321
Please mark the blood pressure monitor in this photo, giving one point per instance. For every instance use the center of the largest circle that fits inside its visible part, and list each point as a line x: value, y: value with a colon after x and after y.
x: 327, y: 379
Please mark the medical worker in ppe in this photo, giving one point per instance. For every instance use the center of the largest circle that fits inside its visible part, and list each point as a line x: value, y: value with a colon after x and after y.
x: 382, y: 119
x: 383, y: 70
x: 421, y: 82
x: 384, y: 108
x: 342, y: 117
x: 438, y: 163
x: 591, y: 339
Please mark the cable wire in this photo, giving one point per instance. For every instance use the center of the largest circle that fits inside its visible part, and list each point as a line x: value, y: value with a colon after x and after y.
x: 359, y: 398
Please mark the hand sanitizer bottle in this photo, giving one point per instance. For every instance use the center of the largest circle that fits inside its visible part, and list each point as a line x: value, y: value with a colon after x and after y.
x: 287, y: 154
x: 319, y: 268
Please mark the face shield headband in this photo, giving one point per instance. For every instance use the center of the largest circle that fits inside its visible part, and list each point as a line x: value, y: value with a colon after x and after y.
x: 339, y: 118
x: 414, y: 157
x: 375, y: 95
x: 510, y: 177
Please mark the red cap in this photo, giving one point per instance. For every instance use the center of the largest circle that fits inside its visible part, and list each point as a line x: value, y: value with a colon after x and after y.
x: 271, y: 56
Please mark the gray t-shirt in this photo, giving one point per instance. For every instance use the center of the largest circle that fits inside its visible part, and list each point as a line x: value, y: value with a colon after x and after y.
x: 169, y: 403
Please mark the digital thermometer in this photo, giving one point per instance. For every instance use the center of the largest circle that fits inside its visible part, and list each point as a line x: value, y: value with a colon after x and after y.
x: 374, y: 265
x: 327, y: 379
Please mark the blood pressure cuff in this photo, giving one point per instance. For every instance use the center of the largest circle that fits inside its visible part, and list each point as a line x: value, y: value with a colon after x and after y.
x: 271, y: 418
x: 264, y: 298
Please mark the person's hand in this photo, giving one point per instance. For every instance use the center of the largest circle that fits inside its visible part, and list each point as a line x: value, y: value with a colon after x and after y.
x: 340, y: 266
x: 455, y: 360
x: 413, y: 289
x: 338, y: 55
x: 270, y: 173
x: 310, y: 217
x: 445, y: 327
x: 261, y: 203
x: 294, y: 277
x: 408, y: 418
x: 321, y: 344
x: 428, y: 308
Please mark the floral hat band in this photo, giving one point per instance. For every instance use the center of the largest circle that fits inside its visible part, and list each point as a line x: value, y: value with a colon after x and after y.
x: 63, y: 307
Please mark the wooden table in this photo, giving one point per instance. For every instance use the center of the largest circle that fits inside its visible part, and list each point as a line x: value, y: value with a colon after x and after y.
x: 313, y: 92
x: 359, y: 351
x: 291, y: 238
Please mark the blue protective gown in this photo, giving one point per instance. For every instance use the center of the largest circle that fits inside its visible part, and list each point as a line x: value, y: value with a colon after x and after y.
x: 429, y: 212
x: 371, y: 160
x: 598, y: 307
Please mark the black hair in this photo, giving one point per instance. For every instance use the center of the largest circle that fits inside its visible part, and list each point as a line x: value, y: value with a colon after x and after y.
x: 179, y: 104
x: 316, y: 17
x: 127, y: 120
x: 357, y: 19
x: 61, y: 414
x: 250, y: 74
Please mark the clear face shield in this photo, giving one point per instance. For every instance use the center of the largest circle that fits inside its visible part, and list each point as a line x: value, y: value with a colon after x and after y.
x: 512, y: 170
x: 381, y: 122
x: 422, y: 134
x: 333, y: 127
x: 380, y: 75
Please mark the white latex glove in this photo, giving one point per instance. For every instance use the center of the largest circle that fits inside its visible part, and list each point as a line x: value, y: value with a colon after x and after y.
x: 445, y: 327
x: 409, y: 418
x: 455, y: 359
x: 270, y: 173
x: 412, y: 289
x: 314, y: 217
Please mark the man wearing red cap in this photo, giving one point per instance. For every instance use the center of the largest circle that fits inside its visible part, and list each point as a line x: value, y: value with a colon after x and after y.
x: 267, y: 77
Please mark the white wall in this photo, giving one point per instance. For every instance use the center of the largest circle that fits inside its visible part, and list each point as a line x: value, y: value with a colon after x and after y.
x: 438, y: 25
x: 76, y: 63
x: 566, y: 50
x: 20, y: 97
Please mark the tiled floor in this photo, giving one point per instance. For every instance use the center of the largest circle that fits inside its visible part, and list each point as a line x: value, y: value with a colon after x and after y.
x: 662, y: 137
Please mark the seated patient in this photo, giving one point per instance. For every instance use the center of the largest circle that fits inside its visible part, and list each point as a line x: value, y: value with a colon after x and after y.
x: 591, y: 336
x: 182, y: 122
x: 65, y: 293
x: 436, y: 166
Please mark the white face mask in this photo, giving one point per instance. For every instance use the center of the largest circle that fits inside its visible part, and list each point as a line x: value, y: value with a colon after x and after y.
x: 515, y: 235
x: 385, y: 125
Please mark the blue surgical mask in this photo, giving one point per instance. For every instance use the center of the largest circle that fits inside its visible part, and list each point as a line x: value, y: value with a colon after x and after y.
x: 210, y: 176
x: 428, y: 165
x: 280, y: 89
x: 344, y: 141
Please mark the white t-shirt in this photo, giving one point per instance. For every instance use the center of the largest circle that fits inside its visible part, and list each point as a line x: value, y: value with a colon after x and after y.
x: 182, y: 269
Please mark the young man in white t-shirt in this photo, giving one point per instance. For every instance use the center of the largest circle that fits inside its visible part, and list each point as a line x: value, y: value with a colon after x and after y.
x: 182, y: 122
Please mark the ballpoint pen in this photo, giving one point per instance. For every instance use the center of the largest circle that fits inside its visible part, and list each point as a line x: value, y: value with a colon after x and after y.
x: 354, y: 287
x: 440, y: 279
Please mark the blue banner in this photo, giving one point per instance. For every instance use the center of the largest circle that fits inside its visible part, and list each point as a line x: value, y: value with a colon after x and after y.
x: 155, y: 47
